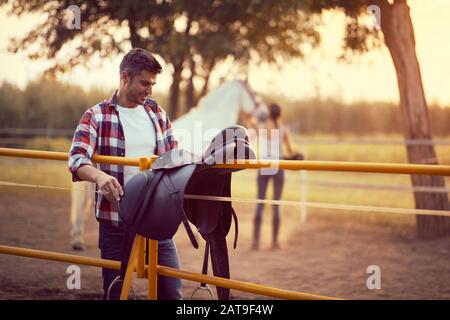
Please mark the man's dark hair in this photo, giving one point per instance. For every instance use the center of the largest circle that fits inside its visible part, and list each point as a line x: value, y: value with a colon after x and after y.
x: 139, y: 59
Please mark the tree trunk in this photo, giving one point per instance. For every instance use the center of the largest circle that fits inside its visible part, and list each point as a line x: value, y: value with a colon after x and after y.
x: 209, y: 67
x: 204, y: 90
x: 175, y: 90
x: 135, y: 39
x: 190, y: 89
x: 398, y: 32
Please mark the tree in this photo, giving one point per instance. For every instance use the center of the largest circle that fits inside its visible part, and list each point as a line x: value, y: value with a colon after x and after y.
x: 190, y: 35
x: 398, y: 32
x: 399, y: 38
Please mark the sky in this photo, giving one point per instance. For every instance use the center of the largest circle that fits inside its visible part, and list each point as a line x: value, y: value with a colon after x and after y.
x: 370, y: 77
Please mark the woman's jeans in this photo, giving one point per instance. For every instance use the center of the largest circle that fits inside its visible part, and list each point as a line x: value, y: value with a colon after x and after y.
x: 111, y: 242
x: 278, y: 182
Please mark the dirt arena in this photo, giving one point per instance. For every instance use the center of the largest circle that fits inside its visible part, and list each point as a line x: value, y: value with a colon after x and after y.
x: 324, y: 256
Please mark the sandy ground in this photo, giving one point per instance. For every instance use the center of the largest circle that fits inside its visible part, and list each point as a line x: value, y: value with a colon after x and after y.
x: 324, y: 256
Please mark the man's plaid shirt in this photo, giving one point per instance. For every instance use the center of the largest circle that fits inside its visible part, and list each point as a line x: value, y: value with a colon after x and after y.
x: 100, y: 132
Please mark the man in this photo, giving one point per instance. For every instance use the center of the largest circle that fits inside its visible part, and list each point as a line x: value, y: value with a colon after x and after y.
x: 132, y: 125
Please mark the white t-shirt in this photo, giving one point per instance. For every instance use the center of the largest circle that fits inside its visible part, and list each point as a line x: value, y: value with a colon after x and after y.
x: 140, y: 136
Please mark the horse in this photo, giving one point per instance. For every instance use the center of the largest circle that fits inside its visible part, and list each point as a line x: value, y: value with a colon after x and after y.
x: 219, y: 109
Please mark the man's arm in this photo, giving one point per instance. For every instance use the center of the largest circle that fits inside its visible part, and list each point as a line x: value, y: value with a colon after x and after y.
x: 106, y: 183
x: 80, y: 159
x: 170, y: 141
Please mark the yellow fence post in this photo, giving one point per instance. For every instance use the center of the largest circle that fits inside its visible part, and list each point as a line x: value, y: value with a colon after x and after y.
x: 144, y: 164
x: 153, y: 270
x: 150, y: 247
x: 130, y: 268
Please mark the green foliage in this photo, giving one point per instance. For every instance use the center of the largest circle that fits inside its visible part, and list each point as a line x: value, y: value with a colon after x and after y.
x: 330, y: 116
x: 190, y: 35
x: 12, y: 105
x: 358, y: 37
x: 45, y: 104
x: 54, y: 105
x: 211, y: 29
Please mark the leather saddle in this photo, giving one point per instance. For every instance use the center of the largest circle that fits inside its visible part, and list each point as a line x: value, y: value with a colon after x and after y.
x: 154, y: 206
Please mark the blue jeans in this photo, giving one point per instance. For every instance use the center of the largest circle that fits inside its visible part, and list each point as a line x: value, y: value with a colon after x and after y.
x: 111, y: 245
x: 278, y: 182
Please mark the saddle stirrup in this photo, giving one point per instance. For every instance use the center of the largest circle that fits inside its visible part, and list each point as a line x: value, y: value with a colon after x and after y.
x: 117, y: 280
x: 204, y: 286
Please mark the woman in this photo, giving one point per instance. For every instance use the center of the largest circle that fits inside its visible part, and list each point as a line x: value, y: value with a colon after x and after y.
x: 271, y: 148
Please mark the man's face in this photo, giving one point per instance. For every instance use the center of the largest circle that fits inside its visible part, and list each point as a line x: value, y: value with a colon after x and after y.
x: 140, y: 87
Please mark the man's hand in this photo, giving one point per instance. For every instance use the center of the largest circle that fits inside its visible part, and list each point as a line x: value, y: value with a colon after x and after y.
x: 109, y: 186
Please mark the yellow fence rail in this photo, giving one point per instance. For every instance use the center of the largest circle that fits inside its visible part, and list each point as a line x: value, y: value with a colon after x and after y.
x: 166, y: 271
x: 145, y: 162
x: 369, y: 167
